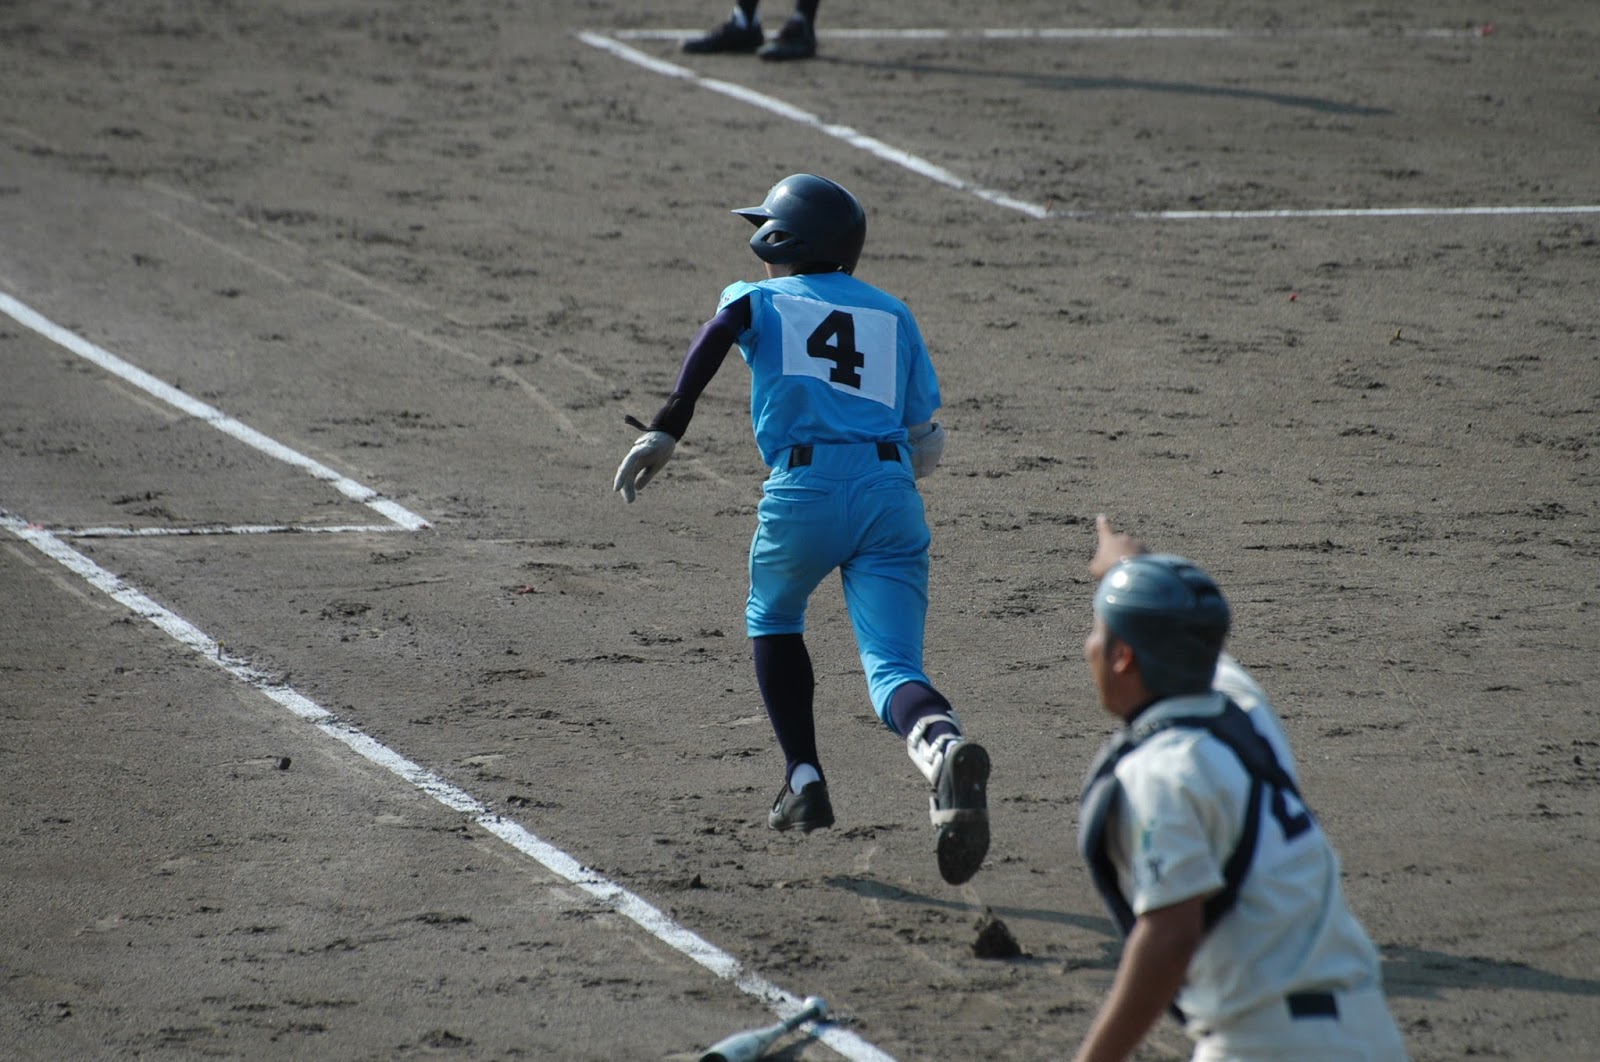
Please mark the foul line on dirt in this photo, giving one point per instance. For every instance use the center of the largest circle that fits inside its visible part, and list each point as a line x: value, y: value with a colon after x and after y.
x: 553, y: 859
x: 612, y: 43
x: 1128, y: 33
x: 223, y: 529
x: 869, y: 144
x: 1325, y: 212
x: 108, y: 361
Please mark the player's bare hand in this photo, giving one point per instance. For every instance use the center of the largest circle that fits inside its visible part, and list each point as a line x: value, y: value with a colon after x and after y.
x: 1112, y: 548
x: 650, y: 454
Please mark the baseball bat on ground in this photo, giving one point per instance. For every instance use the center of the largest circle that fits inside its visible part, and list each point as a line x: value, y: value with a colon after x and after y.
x: 751, y: 1044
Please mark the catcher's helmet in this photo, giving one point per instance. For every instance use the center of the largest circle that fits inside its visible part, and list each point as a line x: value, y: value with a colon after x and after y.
x: 1171, y: 614
x: 807, y: 219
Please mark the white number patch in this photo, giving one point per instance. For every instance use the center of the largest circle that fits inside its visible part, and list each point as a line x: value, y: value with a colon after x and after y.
x: 853, y: 349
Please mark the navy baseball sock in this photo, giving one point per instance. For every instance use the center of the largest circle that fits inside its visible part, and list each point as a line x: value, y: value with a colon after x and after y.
x: 787, y: 683
x: 913, y: 700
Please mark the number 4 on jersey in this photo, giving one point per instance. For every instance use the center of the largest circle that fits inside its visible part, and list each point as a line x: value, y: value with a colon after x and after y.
x: 835, y: 340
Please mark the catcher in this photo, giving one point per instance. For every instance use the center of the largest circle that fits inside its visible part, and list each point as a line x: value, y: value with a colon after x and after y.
x: 1196, y: 836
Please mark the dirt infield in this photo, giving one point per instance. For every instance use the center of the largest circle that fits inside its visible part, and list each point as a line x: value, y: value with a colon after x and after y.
x: 442, y: 248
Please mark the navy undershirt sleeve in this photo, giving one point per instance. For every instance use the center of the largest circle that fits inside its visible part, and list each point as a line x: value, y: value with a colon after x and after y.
x: 706, y: 354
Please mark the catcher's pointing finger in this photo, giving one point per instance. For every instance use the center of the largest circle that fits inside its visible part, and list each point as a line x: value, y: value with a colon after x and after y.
x: 1112, y: 548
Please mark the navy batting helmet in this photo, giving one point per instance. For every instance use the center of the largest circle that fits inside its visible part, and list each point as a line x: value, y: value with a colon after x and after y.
x: 1171, y: 614
x: 806, y: 219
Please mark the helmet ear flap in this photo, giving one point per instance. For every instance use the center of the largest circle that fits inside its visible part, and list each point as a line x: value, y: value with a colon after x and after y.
x: 773, y: 243
x: 772, y: 236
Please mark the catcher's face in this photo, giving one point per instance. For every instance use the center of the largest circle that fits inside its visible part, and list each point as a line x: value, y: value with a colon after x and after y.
x: 1111, y: 664
x: 1096, y: 653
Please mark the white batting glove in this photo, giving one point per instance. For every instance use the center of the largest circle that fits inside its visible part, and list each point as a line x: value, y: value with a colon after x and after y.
x: 650, y: 454
x: 927, y: 447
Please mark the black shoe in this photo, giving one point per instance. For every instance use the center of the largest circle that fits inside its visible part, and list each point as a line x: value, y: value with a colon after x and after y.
x: 797, y: 40
x: 805, y: 811
x: 728, y: 37
x: 960, y: 808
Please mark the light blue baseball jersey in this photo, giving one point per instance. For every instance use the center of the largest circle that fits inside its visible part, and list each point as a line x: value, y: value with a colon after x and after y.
x: 832, y: 360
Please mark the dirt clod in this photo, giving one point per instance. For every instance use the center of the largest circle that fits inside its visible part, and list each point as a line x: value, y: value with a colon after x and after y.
x: 995, y: 940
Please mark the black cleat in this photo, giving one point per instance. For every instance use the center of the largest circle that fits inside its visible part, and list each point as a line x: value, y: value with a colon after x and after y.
x: 805, y: 811
x: 960, y: 809
x: 797, y: 40
x: 726, y: 38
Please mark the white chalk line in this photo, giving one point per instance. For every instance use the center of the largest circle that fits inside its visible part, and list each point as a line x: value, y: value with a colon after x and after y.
x: 371, y: 283
x: 854, y: 138
x: 159, y: 389
x: 224, y: 529
x: 612, y: 42
x: 553, y: 859
x: 1325, y: 212
x: 1113, y: 33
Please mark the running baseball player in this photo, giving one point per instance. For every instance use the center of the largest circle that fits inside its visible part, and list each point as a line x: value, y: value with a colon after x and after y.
x: 842, y: 399
x: 1196, y: 835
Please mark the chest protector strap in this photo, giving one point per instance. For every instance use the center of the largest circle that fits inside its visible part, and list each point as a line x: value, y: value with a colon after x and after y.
x: 1232, y: 727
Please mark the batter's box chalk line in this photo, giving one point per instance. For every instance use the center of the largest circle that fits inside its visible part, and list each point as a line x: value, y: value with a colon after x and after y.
x: 612, y: 43
x: 558, y: 862
x: 399, y: 517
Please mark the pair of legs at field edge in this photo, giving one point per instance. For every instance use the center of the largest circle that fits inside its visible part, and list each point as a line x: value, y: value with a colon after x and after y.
x: 742, y: 33
x: 956, y: 769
